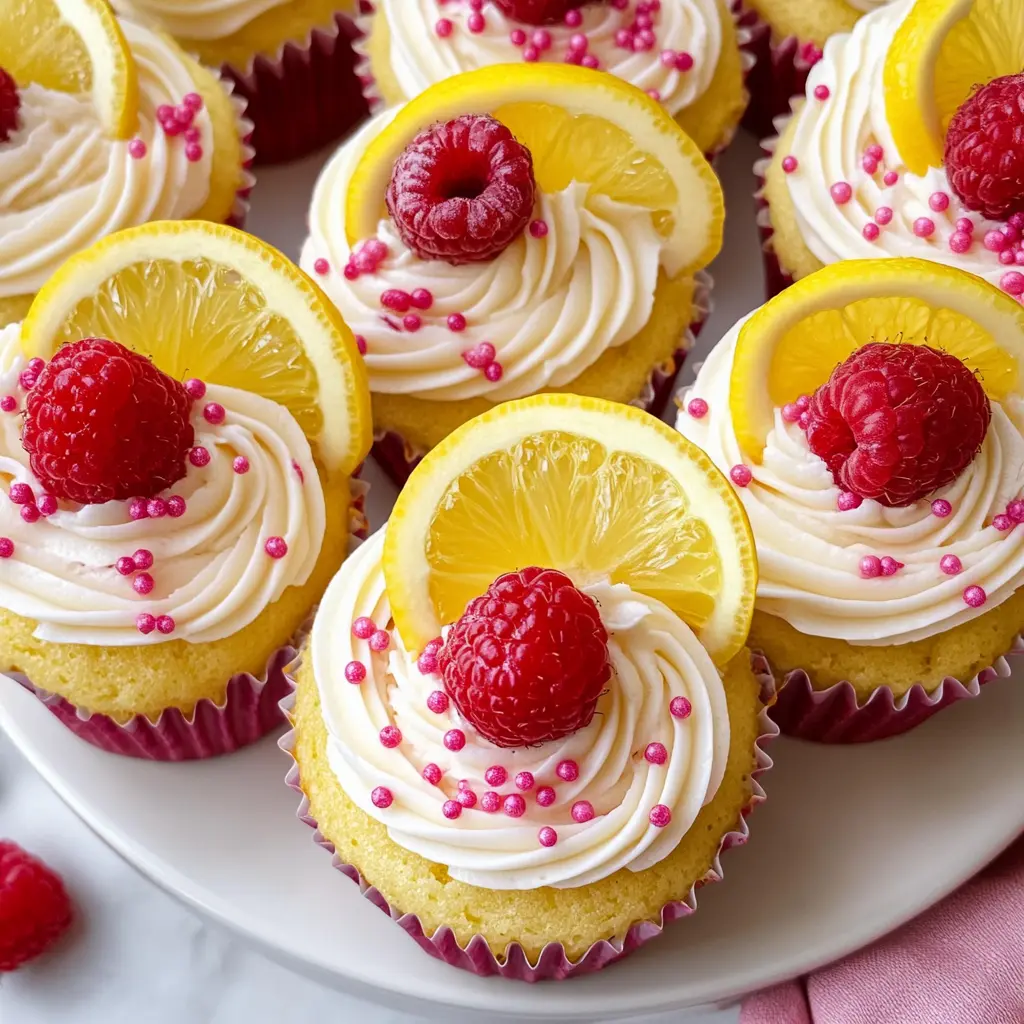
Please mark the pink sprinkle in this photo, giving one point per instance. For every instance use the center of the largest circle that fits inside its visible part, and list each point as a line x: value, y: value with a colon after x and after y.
x: 573, y: 18
x: 517, y: 37
x: 361, y: 344
x: 193, y: 101
x: 8, y: 403
x: 6, y: 547
x: 924, y: 227
x: 680, y: 707
x: 479, y: 357
x: 660, y: 816
x: 456, y: 322
x: 421, y: 298
x: 454, y: 740
x: 193, y: 135
x: 143, y: 584
x: 199, y: 457
x: 870, y: 231
x: 496, y: 775
x: 195, y: 387
x: 821, y: 92
x: 47, y: 504
x: 965, y: 224
x: 848, y: 501
x: 411, y: 322
x: 176, y: 506
x: 298, y: 472
x: 875, y: 151
x: 381, y: 797
x: 870, y: 566
x: 156, y: 508
x: 380, y: 640
x: 941, y: 508
x: 546, y: 796
x: 790, y: 164
x: 137, y: 509
x: 214, y: 413
x: 395, y: 299
x: 451, y: 809
x: 869, y: 163
x: 656, y: 753
x: 741, y: 475
x: 432, y: 773
x: 524, y: 780
x: 841, y: 192
x: 950, y: 565
x: 125, y: 565
x: 890, y: 178
x: 1012, y: 283
x: 590, y: 61
x: 1007, y: 257
x: 547, y: 836
x: 514, y: 805
x: 938, y: 201
x: 193, y: 152
x: 137, y: 149
x: 490, y: 802
x: 531, y: 54
x: 994, y: 241
x: 568, y: 770
x: 21, y: 494
x: 350, y: 271
x: 240, y: 465
x: 890, y: 566
x: 30, y: 513
x: 143, y: 558
x: 494, y: 372
x: 476, y: 23
x: 790, y: 412
x: 883, y: 215
x: 276, y: 547
x: 582, y: 811
x: 145, y: 623
x: 437, y: 701
x: 321, y: 266
x: 1017, y: 220
x: 538, y: 228
x: 960, y: 242
x: 165, y: 112
x: 426, y: 663
x: 1003, y: 522
x: 355, y: 671
x: 541, y: 39
x: 165, y: 624
x: 1015, y: 510
x: 443, y: 27
x: 805, y: 421
x: 1010, y: 233
x: 668, y: 58
x: 803, y: 403
x: 697, y: 408
x: 975, y: 596
x: 466, y: 797
x: 390, y: 736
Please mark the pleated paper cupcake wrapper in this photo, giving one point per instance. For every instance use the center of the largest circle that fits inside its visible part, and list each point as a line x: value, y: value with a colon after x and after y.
x: 553, y: 963
x: 240, y: 210
x: 305, y: 96
x: 250, y: 709
x: 834, y: 715
x: 776, y: 277
x: 398, y: 458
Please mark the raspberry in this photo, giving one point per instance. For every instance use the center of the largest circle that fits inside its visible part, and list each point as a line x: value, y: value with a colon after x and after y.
x: 538, y: 12
x: 10, y: 103
x: 896, y: 422
x: 527, y: 662
x: 103, y: 423
x: 984, y: 154
x: 462, y: 191
x: 34, y: 907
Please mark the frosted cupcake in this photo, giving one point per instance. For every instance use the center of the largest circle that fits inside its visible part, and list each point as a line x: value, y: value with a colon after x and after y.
x: 163, y: 541
x: 540, y: 788
x: 158, y: 137
x: 908, y: 143
x: 292, y: 60
x: 684, y: 53
x: 485, y: 243
x: 884, y: 492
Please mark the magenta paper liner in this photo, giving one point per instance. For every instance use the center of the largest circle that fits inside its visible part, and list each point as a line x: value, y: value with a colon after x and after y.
x: 398, y: 458
x: 305, y: 96
x: 776, y: 277
x: 552, y: 964
x: 833, y: 715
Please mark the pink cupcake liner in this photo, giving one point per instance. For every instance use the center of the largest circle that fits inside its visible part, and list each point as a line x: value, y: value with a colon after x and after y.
x: 834, y: 715
x: 305, y: 96
x: 553, y: 963
x: 398, y: 458
x: 776, y: 277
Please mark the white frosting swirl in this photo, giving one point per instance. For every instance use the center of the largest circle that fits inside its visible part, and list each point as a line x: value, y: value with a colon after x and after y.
x: 809, y: 552
x: 420, y: 57
x: 198, y: 19
x: 829, y: 143
x: 655, y: 657
x: 65, y: 184
x: 550, y: 306
x: 211, y: 572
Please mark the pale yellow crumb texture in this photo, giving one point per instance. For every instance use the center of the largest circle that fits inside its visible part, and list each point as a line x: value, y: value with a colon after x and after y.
x: 575, y: 917
x: 126, y: 681
x: 619, y: 375
x: 808, y: 20
x: 13, y: 309
x: 961, y: 652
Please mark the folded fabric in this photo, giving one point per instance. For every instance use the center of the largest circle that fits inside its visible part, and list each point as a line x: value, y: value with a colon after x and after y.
x: 962, y: 962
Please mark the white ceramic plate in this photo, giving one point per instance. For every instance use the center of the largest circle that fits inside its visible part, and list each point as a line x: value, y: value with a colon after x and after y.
x: 851, y: 843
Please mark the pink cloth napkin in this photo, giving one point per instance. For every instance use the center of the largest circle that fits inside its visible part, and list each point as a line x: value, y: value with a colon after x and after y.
x: 962, y: 962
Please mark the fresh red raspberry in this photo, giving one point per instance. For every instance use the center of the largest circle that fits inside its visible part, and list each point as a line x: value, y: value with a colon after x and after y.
x: 527, y: 662
x: 34, y: 907
x: 103, y: 423
x: 985, y: 148
x: 897, y: 422
x: 538, y: 12
x: 462, y: 191
x: 10, y: 103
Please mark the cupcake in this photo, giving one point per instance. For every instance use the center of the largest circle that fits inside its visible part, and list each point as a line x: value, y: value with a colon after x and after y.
x: 181, y: 412
x: 157, y: 137
x: 292, y: 60
x: 486, y: 242
x: 871, y: 420
x: 684, y: 53
x: 535, y: 780
x: 908, y: 143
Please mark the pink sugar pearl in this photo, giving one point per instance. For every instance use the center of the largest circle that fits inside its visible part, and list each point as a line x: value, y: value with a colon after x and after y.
x: 390, y: 736
x: 741, y: 475
x: 412, y: 323
x: 848, y: 501
x: 841, y: 192
x: 143, y: 559
x: 432, y: 773
x: 456, y: 322
x: 790, y: 164
x: 422, y: 298
x: 1012, y: 283
x: 883, y: 215
x: 137, y: 509
x: 321, y: 266
x: 443, y: 27
x: 660, y: 816
x: 276, y: 547
x: 938, y: 201
x: 1003, y: 522
x: 1015, y: 510
x: 514, y: 805
x: 195, y: 388
x: 994, y: 241
x: 874, y: 151
x: 567, y: 771
x: 165, y: 624
x: 145, y: 623
x: 47, y: 504
x: 380, y: 641
x: 524, y: 780
x: 8, y: 403
x: 454, y: 740
x: 941, y: 508
x: 924, y: 227
x: 965, y: 224
x: 137, y: 149
x: 656, y: 753
x: 125, y: 566
x: 546, y: 796
x: 890, y: 178
x: 156, y: 508
x: 364, y: 627
x: 490, y: 802
x: 974, y: 596
x: 680, y: 707
x: 890, y: 566
x: 30, y: 513
x: 517, y: 37
x: 437, y: 702
x: 382, y: 797
x: 538, y: 228
x: 960, y: 242
x: 427, y: 663
x: 547, y: 836
x: 451, y: 809
x: 869, y: 163
x: 21, y: 494
x: 870, y: 566
x: 582, y: 811
x: 870, y: 231
x: 6, y: 547
x: 573, y: 18
x: 697, y: 408
x: 950, y: 565
x: 143, y: 584
x: 199, y: 457
x: 214, y: 413
x: 821, y: 92
x: 240, y: 465
x: 355, y: 671
x: 496, y: 775
x: 493, y: 372
x: 466, y: 797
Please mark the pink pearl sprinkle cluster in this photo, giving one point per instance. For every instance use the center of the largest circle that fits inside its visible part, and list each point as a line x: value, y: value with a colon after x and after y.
x: 365, y: 259
x: 481, y: 357
x: 872, y: 566
x: 32, y: 508
x: 175, y: 121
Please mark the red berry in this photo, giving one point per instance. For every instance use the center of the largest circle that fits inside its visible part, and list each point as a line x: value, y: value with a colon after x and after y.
x: 10, y: 103
x: 34, y: 907
x: 103, y: 423
x: 984, y: 153
x: 538, y: 12
x: 527, y: 662
x: 896, y: 422
x: 462, y: 191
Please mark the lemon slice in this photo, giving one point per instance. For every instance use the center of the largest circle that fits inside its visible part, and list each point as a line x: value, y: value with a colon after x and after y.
x: 204, y: 300
x: 791, y: 345
x: 579, y: 125
x: 940, y: 53
x: 583, y: 485
x: 73, y: 46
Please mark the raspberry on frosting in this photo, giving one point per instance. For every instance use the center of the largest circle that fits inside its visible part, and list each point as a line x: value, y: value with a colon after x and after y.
x: 538, y: 12
x: 103, y: 423
x: 10, y: 104
x: 462, y: 191
x: 528, y: 660
x: 897, y: 422
x: 984, y: 153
